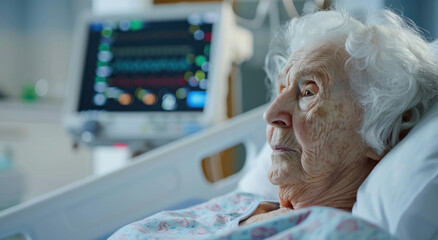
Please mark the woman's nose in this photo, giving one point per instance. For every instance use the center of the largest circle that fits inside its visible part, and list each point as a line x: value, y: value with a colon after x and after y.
x: 278, y: 113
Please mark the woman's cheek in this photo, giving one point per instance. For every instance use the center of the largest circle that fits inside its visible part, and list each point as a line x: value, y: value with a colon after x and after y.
x: 303, y: 105
x: 301, y: 129
x: 308, y: 121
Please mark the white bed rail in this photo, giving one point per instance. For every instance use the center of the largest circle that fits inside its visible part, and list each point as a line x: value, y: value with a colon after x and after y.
x: 164, y: 177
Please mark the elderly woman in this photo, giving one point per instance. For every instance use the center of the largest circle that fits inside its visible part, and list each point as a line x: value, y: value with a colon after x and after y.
x: 346, y: 93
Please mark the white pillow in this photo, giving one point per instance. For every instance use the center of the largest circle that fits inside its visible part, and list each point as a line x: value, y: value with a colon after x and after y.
x: 401, y: 193
x: 434, y: 46
x: 256, y: 179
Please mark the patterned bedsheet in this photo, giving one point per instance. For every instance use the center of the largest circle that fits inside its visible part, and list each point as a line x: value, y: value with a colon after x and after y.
x: 219, y: 219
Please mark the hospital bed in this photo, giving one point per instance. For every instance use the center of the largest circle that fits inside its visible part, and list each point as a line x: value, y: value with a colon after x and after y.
x: 150, y: 77
x: 399, y: 195
x: 169, y: 177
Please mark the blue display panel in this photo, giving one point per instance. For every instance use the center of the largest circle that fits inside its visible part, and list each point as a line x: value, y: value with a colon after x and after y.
x: 137, y: 65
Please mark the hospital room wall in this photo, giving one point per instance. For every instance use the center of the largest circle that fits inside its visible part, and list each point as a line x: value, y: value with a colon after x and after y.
x: 10, y: 24
x: 36, y: 39
x: 35, y: 43
x: 423, y: 12
x: 254, y: 88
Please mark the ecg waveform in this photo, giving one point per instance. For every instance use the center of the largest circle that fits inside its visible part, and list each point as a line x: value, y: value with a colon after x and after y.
x: 149, y: 82
x: 150, y: 65
x: 153, y: 35
x: 168, y: 50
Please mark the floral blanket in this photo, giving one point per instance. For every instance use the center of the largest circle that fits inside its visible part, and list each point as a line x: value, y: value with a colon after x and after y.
x: 219, y: 219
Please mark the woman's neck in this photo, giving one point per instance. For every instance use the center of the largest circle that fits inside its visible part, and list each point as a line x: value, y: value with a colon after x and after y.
x: 338, y: 190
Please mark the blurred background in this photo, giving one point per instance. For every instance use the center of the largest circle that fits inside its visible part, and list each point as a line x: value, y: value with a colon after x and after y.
x: 37, y: 154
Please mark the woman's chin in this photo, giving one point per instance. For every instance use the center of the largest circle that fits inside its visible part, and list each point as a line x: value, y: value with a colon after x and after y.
x: 280, y: 174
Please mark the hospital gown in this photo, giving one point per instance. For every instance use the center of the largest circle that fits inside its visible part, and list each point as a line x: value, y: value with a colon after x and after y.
x: 219, y: 219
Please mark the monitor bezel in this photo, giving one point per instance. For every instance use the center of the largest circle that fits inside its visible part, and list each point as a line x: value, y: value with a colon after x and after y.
x: 218, y: 58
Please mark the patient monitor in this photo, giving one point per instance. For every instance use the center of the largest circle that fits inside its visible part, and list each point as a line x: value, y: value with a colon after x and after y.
x: 152, y: 76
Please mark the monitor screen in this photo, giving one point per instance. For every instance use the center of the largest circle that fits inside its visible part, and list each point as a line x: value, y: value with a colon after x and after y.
x: 137, y: 65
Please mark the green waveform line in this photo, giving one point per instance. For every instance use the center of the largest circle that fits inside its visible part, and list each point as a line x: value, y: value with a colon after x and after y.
x: 165, y: 50
x: 151, y: 65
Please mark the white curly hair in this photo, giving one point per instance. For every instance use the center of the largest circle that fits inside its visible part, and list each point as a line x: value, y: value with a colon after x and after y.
x: 391, y: 67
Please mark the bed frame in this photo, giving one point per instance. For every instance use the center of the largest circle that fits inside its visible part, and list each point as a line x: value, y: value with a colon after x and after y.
x: 168, y: 177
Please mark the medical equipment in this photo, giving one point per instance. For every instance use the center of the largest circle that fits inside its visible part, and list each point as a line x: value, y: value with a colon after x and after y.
x: 153, y: 76
x: 168, y: 177
x: 144, y: 77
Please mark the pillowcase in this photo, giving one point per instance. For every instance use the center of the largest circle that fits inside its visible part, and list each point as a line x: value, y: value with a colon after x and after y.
x: 434, y: 46
x: 256, y: 179
x: 401, y: 193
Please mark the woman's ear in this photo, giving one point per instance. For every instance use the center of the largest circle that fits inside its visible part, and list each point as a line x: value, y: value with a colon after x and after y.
x: 406, y: 117
x: 371, y: 154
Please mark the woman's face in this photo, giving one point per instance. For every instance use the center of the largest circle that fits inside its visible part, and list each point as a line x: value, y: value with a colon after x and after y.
x: 313, y: 124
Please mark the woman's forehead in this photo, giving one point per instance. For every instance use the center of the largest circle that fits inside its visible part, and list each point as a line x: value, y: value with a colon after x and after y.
x: 312, y: 61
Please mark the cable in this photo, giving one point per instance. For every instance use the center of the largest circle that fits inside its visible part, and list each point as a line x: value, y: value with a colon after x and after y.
x: 261, y: 12
x: 319, y: 3
x: 265, y: 6
x: 290, y: 8
x: 274, y: 18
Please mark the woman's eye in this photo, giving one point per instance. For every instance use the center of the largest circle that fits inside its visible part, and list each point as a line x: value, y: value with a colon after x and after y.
x: 308, y: 93
x: 309, y: 89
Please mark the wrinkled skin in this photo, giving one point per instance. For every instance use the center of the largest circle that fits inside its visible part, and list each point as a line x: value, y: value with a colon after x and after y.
x: 319, y: 157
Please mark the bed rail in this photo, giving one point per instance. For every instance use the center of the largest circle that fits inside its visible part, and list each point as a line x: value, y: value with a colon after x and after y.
x: 163, y: 178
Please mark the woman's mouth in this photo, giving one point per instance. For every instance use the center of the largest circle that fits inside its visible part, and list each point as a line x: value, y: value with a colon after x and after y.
x: 281, y: 148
